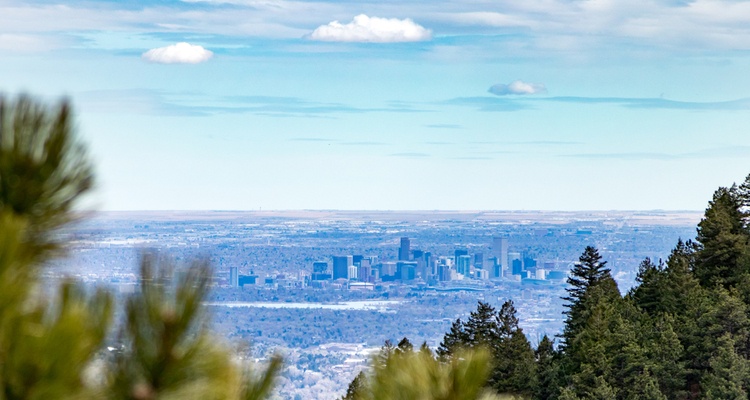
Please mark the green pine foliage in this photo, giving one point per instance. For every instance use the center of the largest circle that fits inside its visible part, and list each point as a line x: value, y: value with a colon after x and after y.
x: 51, y: 345
x: 410, y: 375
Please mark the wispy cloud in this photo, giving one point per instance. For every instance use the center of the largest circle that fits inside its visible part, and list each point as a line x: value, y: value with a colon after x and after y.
x: 180, y: 53
x: 484, y: 103
x: 146, y: 101
x: 366, y: 29
x: 363, y: 144
x: 410, y: 155
x: 716, y: 152
x: 517, y: 88
x: 310, y: 139
x: 659, y: 103
x: 503, y: 104
x: 444, y: 126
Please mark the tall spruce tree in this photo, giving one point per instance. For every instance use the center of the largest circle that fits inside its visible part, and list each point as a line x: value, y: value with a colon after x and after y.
x: 514, y: 367
x: 481, y: 328
x: 453, y: 340
x: 650, y: 280
x: 547, y: 385
x: 587, y: 273
x: 723, y: 240
x: 728, y: 373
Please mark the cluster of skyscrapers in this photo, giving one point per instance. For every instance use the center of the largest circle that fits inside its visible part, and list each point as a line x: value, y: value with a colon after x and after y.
x: 415, y: 265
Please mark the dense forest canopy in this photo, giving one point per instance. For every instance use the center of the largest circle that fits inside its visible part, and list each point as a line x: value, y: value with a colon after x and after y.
x: 683, y: 332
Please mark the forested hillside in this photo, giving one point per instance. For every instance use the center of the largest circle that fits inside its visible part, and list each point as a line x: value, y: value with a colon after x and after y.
x: 683, y: 332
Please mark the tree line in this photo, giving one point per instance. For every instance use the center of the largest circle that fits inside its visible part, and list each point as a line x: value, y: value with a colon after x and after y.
x: 683, y: 332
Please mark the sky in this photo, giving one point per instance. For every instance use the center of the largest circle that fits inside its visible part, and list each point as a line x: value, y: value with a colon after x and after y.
x: 394, y: 105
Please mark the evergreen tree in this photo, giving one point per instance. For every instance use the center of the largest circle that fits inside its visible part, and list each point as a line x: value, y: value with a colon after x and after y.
x: 514, y: 369
x: 424, y: 348
x: 356, y: 387
x: 46, y: 344
x: 723, y: 240
x: 665, y: 354
x: 587, y: 273
x: 728, y: 372
x: 453, y: 340
x: 404, y: 346
x: 481, y: 328
x: 648, y: 294
x: 547, y: 382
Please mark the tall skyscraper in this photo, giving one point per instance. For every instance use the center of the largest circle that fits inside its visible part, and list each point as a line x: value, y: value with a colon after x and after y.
x: 479, y: 260
x: 234, y: 277
x: 463, y: 263
x: 320, y: 266
x: 364, y: 270
x: 403, y: 251
x: 320, y: 271
x: 500, y: 251
x: 458, y: 253
x: 341, y: 266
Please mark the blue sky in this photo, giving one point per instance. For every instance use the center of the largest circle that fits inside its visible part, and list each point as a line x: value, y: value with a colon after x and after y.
x: 275, y: 104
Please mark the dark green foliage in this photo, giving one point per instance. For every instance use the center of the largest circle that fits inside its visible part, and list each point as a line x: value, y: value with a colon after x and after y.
x: 514, y: 369
x: 728, y: 372
x: 723, y: 237
x: 651, y: 280
x: 404, y: 346
x: 356, y: 386
x: 587, y: 273
x: 453, y: 340
x: 548, y: 371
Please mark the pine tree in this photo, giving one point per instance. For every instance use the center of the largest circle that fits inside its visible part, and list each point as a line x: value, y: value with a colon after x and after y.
x: 481, y: 328
x: 587, y: 273
x: 728, y: 372
x: 404, y: 346
x: 46, y: 344
x: 453, y: 340
x: 723, y: 240
x: 547, y: 382
x: 514, y: 369
x: 356, y: 387
x: 648, y: 294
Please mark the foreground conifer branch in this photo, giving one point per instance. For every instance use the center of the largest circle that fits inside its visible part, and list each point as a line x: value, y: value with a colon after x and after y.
x: 49, y: 345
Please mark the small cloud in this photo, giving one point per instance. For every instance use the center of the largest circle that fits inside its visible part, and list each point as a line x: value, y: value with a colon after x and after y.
x: 180, y: 53
x: 366, y: 29
x: 517, y: 88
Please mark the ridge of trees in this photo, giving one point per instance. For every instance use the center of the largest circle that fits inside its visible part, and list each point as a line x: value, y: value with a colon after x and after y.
x: 683, y: 332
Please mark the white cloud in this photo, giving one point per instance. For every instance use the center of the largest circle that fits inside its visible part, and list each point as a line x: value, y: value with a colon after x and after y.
x: 518, y: 88
x: 373, y: 30
x: 180, y: 53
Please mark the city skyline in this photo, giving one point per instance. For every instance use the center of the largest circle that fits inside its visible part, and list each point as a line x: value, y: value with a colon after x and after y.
x: 288, y: 105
